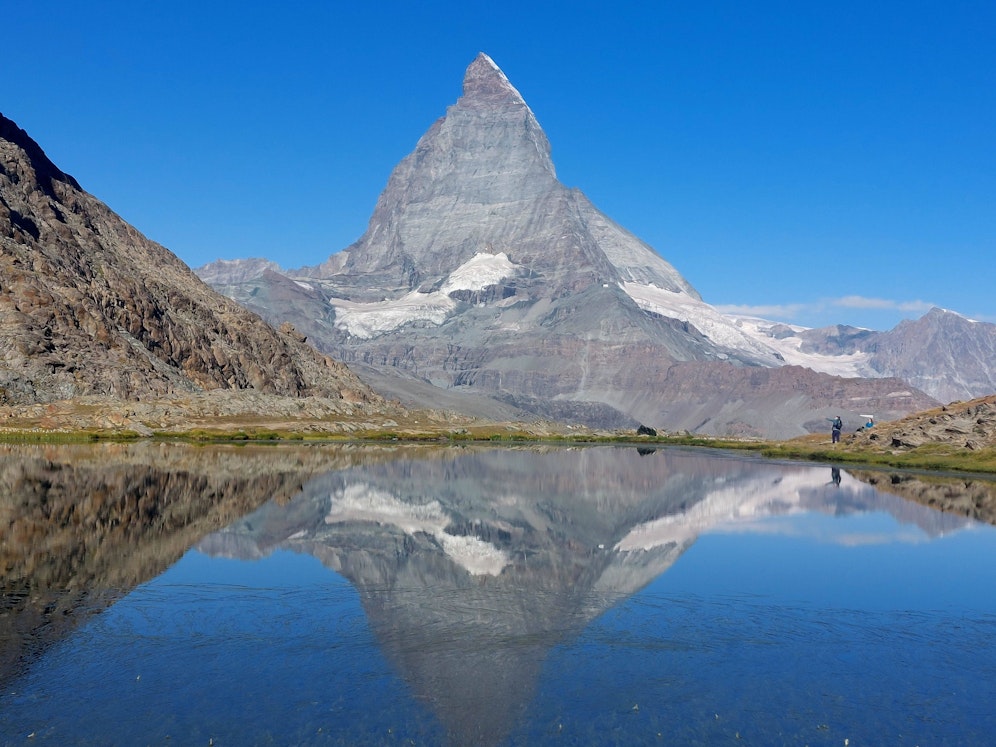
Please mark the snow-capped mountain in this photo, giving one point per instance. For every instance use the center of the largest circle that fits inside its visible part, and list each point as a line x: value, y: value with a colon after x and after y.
x: 481, y: 273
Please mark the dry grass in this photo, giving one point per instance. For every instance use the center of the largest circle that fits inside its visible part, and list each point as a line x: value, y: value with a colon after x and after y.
x: 85, y: 421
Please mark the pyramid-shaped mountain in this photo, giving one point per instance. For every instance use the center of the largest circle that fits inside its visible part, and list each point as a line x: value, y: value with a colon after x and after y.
x: 481, y: 182
x: 89, y: 306
x: 481, y: 274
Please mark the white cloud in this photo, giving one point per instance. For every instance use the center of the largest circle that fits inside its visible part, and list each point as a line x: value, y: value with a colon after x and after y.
x: 860, y: 302
x: 766, y: 311
x: 789, y: 311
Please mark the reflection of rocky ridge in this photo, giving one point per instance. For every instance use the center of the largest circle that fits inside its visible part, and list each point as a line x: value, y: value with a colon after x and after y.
x: 83, y: 524
x: 974, y: 498
x: 471, y: 567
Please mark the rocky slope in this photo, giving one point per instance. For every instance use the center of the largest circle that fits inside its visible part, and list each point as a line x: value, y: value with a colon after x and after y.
x: 89, y: 306
x: 481, y: 273
x: 971, y: 425
x: 943, y: 353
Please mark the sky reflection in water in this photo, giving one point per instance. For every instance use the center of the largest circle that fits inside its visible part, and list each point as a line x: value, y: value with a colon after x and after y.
x: 572, y: 597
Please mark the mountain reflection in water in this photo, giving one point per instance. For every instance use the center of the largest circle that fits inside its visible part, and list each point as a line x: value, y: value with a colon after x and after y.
x: 471, y: 567
x: 472, y: 564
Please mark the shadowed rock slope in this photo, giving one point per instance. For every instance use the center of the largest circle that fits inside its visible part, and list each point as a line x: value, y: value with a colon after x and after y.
x: 89, y: 306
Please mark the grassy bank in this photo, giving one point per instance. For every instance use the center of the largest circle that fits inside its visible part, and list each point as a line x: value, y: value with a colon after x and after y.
x: 932, y: 457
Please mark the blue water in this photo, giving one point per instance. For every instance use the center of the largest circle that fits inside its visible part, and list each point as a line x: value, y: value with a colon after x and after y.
x: 800, y: 644
x: 808, y: 627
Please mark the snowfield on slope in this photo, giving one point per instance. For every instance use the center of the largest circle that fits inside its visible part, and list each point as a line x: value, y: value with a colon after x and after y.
x: 366, y: 320
x: 746, y: 334
x: 853, y: 365
x: 364, y: 503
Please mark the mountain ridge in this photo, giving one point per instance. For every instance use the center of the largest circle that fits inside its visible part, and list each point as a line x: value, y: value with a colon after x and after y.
x: 576, y: 316
x: 90, y: 307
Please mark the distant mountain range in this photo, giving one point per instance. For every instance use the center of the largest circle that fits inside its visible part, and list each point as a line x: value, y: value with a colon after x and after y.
x: 943, y: 353
x: 484, y: 282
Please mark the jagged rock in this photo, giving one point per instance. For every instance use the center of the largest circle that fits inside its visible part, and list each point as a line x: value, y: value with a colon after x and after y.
x: 89, y: 306
x: 970, y: 424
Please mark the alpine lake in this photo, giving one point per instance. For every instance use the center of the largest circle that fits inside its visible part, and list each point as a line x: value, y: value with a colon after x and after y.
x: 351, y: 594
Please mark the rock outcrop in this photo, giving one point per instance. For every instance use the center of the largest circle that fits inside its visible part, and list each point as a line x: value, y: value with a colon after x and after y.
x: 971, y: 425
x: 89, y: 306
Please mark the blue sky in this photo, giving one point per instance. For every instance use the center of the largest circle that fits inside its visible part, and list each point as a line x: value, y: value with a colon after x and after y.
x: 816, y: 163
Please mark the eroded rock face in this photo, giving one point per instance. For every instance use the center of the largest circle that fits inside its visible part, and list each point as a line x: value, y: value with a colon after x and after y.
x: 89, y: 306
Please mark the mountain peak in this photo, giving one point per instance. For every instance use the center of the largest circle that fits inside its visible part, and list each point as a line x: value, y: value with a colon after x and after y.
x: 30, y: 155
x: 485, y: 80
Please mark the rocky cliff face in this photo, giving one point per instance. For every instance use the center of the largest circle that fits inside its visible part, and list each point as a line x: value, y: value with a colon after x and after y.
x: 481, y: 273
x: 89, y: 306
x: 481, y: 181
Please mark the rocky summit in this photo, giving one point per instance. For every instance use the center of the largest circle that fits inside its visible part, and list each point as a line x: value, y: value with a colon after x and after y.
x: 90, y: 307
x: 482, y: 275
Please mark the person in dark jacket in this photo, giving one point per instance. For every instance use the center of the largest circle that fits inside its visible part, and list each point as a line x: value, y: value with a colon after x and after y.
x: 837, y: 425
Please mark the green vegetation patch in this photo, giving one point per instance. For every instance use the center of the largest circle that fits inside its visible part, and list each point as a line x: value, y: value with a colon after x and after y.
x: 935, y: 457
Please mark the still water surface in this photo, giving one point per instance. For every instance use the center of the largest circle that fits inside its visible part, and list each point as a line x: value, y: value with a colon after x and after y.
x: 485, y: 596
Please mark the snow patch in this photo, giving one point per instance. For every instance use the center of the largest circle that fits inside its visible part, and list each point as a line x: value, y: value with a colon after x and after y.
x: 852, y: 365
x: 480, y: 271
x: 740, y: 506
x: 366, y: 320
x: 478, y: 557
x: 746, y: 334
x: 705, y: 318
